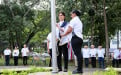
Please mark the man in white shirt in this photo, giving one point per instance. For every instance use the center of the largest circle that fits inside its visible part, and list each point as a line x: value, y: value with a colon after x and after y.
x: 63, y: 43
x: 115, y: 56
x: 93, y: 53
x: 25, y: 52
x: 85, y: 52
x: 101, y: 53
x: 7, y: 53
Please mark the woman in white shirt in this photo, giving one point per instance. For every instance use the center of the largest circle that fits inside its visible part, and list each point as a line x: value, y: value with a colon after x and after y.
x: 75, y: 26
x: 15, y: 55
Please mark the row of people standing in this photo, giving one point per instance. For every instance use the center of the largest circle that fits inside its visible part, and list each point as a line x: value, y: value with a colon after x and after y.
x: 15, y: 53
x: 116, y: 57
x: 68, y: 32
x: 90, y: 54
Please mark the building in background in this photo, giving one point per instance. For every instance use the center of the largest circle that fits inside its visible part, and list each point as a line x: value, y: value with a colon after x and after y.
x: 115, y: 42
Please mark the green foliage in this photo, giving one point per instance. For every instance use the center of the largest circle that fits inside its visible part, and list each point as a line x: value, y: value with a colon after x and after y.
x: 20, y: 22
x: 111, y: 71
x: 94, y: 25
x: 32, y: 70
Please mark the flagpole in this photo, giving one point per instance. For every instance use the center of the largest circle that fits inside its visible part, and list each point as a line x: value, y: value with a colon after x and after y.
x: 53, y: 29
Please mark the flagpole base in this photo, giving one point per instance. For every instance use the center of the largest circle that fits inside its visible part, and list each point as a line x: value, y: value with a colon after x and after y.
x: 54, y: 72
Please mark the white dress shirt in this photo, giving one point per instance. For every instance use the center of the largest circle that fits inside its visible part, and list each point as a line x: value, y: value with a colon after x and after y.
x: 67, y: 38
x: 93, y: 52
x: 101, y: 53
x: 85, y: 52
x: 116, y: 54
x: 77, y: 26
x: 49, y: 38
x: 16, y: 52
x: 7, y: 52
x: 25, y: 51
x: 119, y: 54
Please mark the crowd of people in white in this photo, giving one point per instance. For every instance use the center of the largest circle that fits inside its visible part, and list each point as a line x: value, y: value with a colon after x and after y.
x: 90, y: 55
x: 15, y: 53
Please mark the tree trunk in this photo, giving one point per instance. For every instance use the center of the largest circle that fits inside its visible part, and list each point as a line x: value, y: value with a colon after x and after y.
x: 92, y: 30
x: 117, y: 38
x: 30, y: 36
x: 106, y: 34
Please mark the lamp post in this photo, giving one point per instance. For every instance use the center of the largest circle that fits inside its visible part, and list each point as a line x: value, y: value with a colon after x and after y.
x: 53, y: 29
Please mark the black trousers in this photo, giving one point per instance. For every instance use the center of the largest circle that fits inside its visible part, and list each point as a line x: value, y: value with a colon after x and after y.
x: 76, y: 45
x: 93, y: 62
x: 7, y: 60
x: 25, y: 60
x: 86, y: 60
x: 50, y: 63
x: 115, y: 62
x: 62, y: 50
x: 119, y: 61
x: 15, y: 60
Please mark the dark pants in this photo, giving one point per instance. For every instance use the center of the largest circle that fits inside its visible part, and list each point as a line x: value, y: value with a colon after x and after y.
x: 62, y: 50
x: 76, y: 45
x: 101, y: 62
x: 93, y: 62
x: 7, y: 60
x: 25, y: 60
x: 119, y: 61
x: 115, y: 63
x: 86, y: 60
x: 15, y: 60
x: 50, y: 63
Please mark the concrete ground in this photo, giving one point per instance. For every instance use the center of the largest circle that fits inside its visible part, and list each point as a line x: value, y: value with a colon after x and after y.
x: 87, y: 71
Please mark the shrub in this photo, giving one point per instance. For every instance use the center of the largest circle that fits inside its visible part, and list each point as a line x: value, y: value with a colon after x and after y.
x: 32, y: 70
x: 111, y: 71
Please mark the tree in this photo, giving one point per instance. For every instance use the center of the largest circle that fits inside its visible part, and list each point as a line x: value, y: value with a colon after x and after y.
x: 21, y: 22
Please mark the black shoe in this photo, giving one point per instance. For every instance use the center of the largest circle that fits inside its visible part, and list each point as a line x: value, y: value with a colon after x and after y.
x: 65, y: 70
x: 59, y: 70
x: 76, y: 72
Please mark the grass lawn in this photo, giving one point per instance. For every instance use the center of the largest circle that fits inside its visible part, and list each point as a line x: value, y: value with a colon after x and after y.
x: 38, y: 63
x: 20, y: 62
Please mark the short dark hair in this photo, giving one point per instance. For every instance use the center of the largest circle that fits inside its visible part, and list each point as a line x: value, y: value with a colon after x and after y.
x: 62, y: 13
x: 76, y: 12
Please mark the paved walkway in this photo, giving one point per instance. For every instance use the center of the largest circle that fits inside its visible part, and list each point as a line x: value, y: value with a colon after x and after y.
x: 87, y: 71
x: 18, y: 68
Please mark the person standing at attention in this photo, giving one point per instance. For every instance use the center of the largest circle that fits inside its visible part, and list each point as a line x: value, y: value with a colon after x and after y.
x: 85, y: 52
x: 93, y: 53
x: 101, y: 54
x: 115, y: 56
x: 49, y: 47
x: 75, y: 26
x: 119, y: 55
x: 16, y: 55
x: 7, y: 53
x: 63, y: 43
x: 25, y: 52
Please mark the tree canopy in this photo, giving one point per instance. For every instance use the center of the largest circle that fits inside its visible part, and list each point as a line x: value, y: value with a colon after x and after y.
x: 28, y: 21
